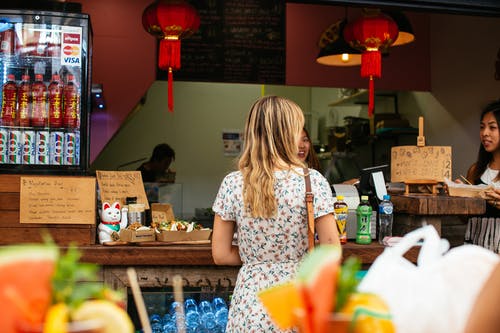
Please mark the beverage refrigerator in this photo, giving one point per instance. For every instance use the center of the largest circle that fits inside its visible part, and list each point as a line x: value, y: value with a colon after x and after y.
x: 45, y: 67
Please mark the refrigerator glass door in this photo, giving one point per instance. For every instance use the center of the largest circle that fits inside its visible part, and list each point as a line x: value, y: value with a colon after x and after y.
x: 44, y: 73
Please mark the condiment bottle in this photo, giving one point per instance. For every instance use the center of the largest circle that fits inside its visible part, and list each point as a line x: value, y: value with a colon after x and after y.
x: 341, y: 210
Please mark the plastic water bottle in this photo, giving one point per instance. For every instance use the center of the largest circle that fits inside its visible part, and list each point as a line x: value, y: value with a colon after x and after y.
x: 221, y: 312
x: 363, y: 216
x: 207, y: 319
x: 385, y: 218
x: 156, y: 323
x: 192, y: 314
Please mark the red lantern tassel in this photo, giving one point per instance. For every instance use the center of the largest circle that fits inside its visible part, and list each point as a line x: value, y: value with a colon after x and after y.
x: 371, y: 98
x: 170, y: 54
x: 170, y: 90
x: 371, y: 64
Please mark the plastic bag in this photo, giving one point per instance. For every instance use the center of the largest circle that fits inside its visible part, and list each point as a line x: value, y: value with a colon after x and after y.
x: 437, y: 294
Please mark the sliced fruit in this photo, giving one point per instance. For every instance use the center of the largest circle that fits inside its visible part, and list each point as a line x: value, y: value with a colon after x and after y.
x: 317, y: 276
x: 25, y: 284
x: 114, y: 318
x: 56, y: 320
x: 281, y: 301
x: 370, y: 314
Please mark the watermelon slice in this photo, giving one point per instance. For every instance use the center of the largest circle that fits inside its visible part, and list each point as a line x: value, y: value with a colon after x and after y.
x: 25, y: 284
x: 317, y: 276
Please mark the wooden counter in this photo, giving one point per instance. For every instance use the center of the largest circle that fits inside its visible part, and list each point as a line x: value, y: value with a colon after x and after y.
x: 197, y: 255
x: 156, y: 265
x: 446, y: 213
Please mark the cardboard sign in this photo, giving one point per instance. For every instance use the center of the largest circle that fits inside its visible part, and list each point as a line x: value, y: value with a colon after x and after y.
x: 420, y: 163
x: 57, y: 200
x: 162, y: 213
x: 118, y: 185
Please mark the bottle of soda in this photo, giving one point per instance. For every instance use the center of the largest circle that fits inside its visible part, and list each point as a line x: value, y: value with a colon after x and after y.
x: 24, y: 101
x: 71, y: 100
x: 55, y: 101
x: 39, y: 116
x: 341, y: 211
x: 363, y: 216
x: 8, y: 116
x: 385, y: 218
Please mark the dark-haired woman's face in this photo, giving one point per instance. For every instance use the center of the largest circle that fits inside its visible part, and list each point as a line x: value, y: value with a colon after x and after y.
x: 304, y: 146
x: 488, y: 132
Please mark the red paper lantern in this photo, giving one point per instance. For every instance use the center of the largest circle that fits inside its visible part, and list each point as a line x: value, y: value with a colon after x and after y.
x: 170, y: 21
x: 372, y: 33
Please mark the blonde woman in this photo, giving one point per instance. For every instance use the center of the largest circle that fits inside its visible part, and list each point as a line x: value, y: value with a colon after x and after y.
x: 264, y: 201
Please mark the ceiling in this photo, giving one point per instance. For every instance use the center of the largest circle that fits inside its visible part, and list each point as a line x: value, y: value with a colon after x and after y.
x: 464, y: 7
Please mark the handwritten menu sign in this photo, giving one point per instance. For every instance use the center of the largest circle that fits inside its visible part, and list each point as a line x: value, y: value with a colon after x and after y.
x: 238, y: 41
x: 420, y: 163
x: 57, y: 200
x: 118, y: 185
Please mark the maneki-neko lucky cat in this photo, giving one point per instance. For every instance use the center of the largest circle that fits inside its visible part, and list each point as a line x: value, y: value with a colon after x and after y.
x: 112, y: 220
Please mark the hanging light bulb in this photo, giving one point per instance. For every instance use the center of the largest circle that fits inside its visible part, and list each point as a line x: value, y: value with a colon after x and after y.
x: 335, y: 51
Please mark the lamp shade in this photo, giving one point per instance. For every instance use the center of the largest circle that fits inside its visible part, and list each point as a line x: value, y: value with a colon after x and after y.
x: 170, y: 21
x: 335, y: 51
x: 405, y: 28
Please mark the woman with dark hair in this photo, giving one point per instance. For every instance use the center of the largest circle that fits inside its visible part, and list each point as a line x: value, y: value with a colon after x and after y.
x: 485, y: 230
x: 307, y: 153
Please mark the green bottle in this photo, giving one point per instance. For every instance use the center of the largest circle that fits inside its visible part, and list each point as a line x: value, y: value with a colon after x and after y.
x: 364, y: 216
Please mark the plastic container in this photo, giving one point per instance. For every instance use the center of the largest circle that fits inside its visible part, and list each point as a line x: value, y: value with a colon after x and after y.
x: 363, y: 219
x: 385, y: 218
x: 24, y: 101
x: 39, y: 116
x: 341, y: 210
x: 221, y: 313
x: 207, y: 319
x: 55, y: 102
x: 8, y: 116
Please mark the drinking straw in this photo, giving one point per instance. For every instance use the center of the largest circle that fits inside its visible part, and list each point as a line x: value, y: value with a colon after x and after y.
x: 465, y: 179
x: 179, y: 298
x: 139, y: 300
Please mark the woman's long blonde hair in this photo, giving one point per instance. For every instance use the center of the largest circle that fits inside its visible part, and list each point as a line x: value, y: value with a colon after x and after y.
x: 272, y: 131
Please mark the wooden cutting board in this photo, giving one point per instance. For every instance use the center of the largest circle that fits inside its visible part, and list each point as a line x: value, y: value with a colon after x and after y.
x: 420, y: 162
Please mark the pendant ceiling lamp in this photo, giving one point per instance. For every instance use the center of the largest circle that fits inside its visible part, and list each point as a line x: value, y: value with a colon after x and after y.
x: 334, y: 50
x: 372, y: 33
x: 170, y: 21
x: 405, y: 28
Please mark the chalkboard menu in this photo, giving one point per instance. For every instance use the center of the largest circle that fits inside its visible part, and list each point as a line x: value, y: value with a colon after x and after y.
x: 238, y: 41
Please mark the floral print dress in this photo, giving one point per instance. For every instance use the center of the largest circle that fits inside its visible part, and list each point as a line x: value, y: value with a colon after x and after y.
x: 270, y: 249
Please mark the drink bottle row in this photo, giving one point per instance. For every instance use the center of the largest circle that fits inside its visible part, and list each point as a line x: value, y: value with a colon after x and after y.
x: 36, y: 104
x: 31, y: 40
x: 203, y: 317
x: 39, y: 146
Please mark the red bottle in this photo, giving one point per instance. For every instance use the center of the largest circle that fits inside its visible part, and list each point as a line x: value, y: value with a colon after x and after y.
x: 8, y: 116
x: 24, y: 101
x: 55, y: 101
x: 39, y: 102
x: 71, y: 100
